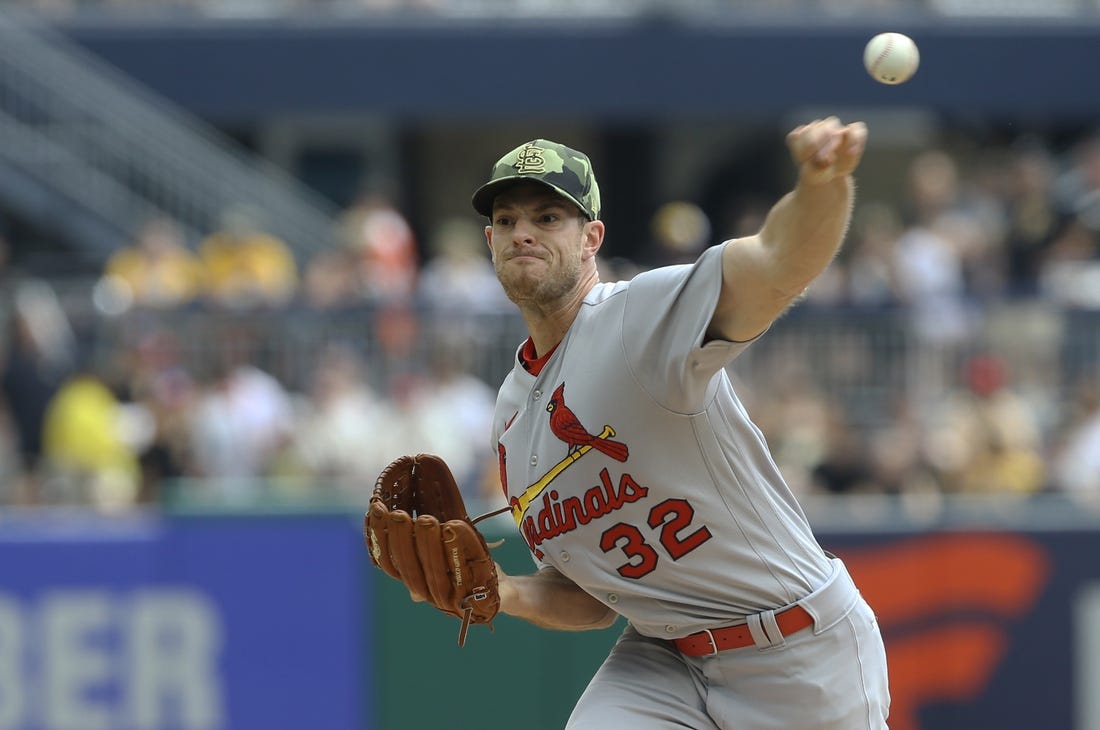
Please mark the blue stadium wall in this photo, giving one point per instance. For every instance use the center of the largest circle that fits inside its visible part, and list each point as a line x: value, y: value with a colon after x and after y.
x: 649, y: 68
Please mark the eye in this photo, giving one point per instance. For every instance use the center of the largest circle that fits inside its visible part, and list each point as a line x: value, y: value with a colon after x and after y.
x: 549, y: 218
x: 502, y: 220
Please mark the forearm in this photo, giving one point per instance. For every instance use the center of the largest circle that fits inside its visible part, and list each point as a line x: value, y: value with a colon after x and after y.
x: 763, y: 274
x: 804, y: 231
x: 550, y: 600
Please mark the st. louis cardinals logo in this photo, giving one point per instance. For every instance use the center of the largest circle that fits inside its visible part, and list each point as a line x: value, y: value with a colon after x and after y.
x: 566, y: 426
x: 531, y: 160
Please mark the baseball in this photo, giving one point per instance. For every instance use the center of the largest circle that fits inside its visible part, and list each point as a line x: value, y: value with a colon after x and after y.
x: 891, y: 58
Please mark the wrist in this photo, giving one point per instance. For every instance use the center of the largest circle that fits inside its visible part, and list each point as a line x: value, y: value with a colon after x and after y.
x: 509, y: 594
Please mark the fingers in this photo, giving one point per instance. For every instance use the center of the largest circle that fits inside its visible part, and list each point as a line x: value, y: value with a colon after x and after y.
x: 855, y: 141
x: 825, y: 148
x: 815, y: 142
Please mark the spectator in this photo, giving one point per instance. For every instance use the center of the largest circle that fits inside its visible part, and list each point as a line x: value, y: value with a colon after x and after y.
x: 1076, y: 462
x: 157, y: 270
x: 873, y: 278
x: 341, y: 426
x: 162, y: 393
x: 241, y: 421
x: 930, y: 252
x: 1033, y: 218
x: 459, y: 277
x: 246, y: 267
x: 788, y: 406
x: 383, y: 249
x: 39, y: 359
x: 330, y: 282
x: 978, y: 223
x: 843, y: 467
x: 1071, y: 269
x: 88, y: 458
x: 896, y: 451
x: 1078, y: 189
x: 398, y: 361
x: 986, y: 439
x: 449, y: 412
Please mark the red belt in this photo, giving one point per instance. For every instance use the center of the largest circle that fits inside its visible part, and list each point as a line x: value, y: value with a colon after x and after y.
x: 712, y: 641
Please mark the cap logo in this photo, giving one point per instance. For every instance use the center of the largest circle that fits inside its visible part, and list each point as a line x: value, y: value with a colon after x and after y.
x: 530, y: 160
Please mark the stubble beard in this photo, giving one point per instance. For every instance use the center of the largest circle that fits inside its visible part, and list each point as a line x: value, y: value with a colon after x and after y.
x: 527, y: 289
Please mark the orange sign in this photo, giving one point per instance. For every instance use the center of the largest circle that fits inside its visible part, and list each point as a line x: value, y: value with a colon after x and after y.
x: 945, y: 604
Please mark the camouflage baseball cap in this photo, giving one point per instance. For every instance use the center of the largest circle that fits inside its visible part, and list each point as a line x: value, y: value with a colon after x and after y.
x: 563, y: 169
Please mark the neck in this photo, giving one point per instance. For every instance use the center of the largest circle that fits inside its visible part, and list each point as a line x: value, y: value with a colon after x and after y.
x: 547, y: 322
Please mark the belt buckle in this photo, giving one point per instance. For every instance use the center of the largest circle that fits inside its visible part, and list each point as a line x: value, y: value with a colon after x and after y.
x: 713, y: 642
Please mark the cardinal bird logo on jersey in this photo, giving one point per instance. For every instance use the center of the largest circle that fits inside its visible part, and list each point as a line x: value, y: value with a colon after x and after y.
x: 566, y: 426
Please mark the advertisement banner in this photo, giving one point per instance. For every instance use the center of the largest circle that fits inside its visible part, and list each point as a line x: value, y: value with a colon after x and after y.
x: 985, y: 628
x: 211, y: 623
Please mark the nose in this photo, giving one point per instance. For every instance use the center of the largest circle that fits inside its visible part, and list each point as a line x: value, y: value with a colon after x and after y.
x: 523, y: 231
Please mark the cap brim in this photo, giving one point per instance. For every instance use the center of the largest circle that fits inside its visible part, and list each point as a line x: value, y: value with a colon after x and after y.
x: 485, y: 195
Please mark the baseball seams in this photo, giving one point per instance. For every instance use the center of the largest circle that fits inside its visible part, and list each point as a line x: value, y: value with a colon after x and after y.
x: 885, y: 52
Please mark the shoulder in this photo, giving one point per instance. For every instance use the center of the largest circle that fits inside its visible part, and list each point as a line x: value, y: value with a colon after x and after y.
x: 707, y: 268
x: 603, y: 292
x: 663, y: 276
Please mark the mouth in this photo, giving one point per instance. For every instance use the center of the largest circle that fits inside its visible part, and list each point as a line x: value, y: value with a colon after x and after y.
x: 523, y: 256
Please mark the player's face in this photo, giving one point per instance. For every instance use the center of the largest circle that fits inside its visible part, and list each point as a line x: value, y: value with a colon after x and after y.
x: 540, y: 244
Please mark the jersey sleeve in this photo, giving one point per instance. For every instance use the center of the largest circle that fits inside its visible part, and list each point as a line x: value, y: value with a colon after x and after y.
x: 665, y: 319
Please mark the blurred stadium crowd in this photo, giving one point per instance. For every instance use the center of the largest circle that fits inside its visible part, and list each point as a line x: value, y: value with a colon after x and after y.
x: 953, y: 347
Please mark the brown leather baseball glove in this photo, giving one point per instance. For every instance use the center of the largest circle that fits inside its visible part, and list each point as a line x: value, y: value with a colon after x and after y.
x: 417, y: 531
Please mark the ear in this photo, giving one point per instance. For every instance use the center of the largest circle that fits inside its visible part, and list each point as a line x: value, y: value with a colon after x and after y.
x: 489, y: 238
x: 593, y: 238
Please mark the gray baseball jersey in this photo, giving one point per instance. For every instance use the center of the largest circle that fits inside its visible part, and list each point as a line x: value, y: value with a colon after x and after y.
x: 633, y: 467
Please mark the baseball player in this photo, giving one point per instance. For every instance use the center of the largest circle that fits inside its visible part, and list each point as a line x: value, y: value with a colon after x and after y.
x: 636, y: 477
